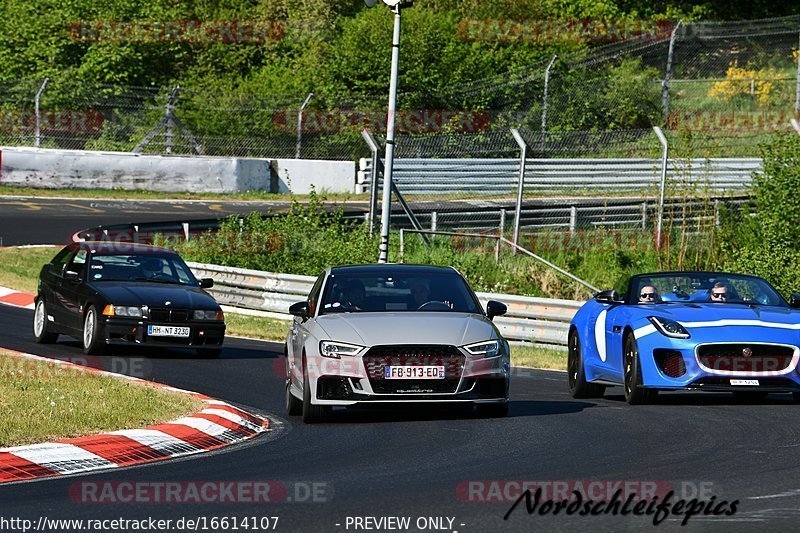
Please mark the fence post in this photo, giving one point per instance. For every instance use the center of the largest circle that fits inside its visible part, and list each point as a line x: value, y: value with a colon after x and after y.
x: 502, y: 228
x: 546, y: 87
x: 795, y: 125
x: 644, y: 214
x: 300, y: 125
x: 797, y: 87
x: 664, y: 160
x: 373, y: 179
x: 573, y: 219
x: 169, y: 116
x: 434, y: 220
x: 38, y: 132
x: 402, y: 244
x: 523, y: 157
x: 668, y: 71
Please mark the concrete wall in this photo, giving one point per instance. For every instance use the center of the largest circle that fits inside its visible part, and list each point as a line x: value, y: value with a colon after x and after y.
x: 65, y: 169
x: 297, y: 176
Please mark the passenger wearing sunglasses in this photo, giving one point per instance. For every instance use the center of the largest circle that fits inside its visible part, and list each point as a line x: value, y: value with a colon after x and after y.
x: 649, y: 295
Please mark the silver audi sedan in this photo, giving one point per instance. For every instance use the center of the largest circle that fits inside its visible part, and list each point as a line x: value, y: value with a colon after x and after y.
x: 394, y: 334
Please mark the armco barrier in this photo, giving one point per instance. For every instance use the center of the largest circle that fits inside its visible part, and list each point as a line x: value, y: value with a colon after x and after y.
x: 538, y: 320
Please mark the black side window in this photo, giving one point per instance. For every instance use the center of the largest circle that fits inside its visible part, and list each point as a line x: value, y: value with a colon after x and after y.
x: 313, y: 296
x: 60, y: 260
x: 78, y: 262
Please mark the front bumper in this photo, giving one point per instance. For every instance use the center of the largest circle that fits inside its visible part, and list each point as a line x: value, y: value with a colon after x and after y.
x: 121, y: 331
x: 347, y: 381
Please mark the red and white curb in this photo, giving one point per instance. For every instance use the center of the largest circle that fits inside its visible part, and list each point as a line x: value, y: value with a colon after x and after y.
x: 16, y: 298
x: 217, y: 425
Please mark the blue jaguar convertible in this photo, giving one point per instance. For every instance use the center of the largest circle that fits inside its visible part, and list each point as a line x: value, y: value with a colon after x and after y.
x: 706, y: 331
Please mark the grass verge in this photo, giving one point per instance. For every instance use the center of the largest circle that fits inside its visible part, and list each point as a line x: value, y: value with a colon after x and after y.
x: 535, y: 357
x: 19, y: 267
x: 41, y: 401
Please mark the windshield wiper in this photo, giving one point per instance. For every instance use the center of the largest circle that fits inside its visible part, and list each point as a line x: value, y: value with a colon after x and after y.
x: 157, y: 280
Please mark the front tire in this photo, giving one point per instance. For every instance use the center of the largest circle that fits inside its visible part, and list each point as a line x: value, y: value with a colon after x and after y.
x: 635, y: 394
x: 578, y: 386
x: 92, y: 343
x: 311, y: 413
x: 294, y: 406
x: 40, y: 325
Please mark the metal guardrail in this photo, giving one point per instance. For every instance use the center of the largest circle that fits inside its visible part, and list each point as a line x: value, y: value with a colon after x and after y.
x: 501, y: 176
x: 529, y: 319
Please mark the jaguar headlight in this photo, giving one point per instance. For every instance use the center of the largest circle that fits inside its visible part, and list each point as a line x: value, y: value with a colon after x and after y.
x: 336, y: 350
x: 484, y: 348
x: 668, y: 327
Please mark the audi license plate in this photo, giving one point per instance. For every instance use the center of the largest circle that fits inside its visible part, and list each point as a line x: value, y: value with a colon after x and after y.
x: 167, y: 331
x: 414, y: 372
x: 745, y: 382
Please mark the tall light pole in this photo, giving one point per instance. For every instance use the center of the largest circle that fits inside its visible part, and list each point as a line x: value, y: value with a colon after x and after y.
x: 386, y: 207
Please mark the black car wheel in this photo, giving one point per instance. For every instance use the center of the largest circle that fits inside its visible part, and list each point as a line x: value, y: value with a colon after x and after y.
x: 311, y: 413
x: 209, y: 353
x: 635, y: 394
x: 92, y: 343
x: 40, y: 325
x: 578, y: 386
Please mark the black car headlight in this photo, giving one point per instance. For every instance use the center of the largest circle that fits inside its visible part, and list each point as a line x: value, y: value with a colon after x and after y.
x: 127, y: 311
x: 484, y: 348
x: 336, y: 350
x: 201, y: 314
x: 668, y: 327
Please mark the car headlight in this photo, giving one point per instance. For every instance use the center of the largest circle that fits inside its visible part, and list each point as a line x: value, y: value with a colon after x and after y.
x: 338, y: 349
x: 484, y: 348
x: 123, y: 310
x: 201, y: 314
x: 670, y: 328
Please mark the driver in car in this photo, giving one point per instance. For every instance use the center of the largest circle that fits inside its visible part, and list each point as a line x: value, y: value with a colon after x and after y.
x: 421, y: 294
x: 354, y: 294
x: 649, y: 295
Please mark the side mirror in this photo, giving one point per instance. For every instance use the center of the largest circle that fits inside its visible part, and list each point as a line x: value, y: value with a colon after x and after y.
x: 69, y: 275
x: 301, y: 310
x: 206, y: 283
x: 794, y: 301
x: 608, y: 297
x: 495, y: 308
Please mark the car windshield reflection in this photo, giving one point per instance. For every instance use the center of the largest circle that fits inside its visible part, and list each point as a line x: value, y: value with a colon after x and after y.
x: 154, y: 268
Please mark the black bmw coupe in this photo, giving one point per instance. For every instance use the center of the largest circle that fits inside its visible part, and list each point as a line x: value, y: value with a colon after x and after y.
x: 107, y: 293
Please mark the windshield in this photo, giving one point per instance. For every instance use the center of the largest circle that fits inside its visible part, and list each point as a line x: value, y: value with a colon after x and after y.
x: 702, y: 287
x: 152, y: 267
x: 386, y: 291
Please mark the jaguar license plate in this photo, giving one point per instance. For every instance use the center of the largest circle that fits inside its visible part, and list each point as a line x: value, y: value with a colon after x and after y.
x: 167, y: 331
x: 414, y: 372
x: 745, y: 382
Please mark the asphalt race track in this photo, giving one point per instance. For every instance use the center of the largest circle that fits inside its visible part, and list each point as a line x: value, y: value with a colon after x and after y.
x: 413, y: 462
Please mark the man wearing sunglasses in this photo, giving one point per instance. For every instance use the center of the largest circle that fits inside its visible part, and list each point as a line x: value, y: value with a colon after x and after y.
x: 719, y: 293
x: 648, y: 295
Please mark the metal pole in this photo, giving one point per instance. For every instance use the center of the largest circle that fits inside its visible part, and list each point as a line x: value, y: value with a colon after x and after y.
x: 373, y: 180
x: 664, y: 155
x: 402, y: 244
x: 573, y: 219
x: 502, y: 228
x: 797, y: 88
x: 546, y: 86
x: 169, y: 117
x: 523, y: 147
x: 38, y: 132
x: 668, y: 72
x: 386, y: 209
x: 300, y: 125
x: 796, y: 125
x: 434, y: 220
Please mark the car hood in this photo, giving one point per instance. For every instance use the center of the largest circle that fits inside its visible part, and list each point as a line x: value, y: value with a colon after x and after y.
x: 155, y: 295
x: 372, y: 329
x: 703, y: 312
